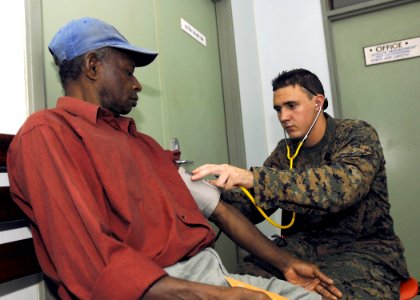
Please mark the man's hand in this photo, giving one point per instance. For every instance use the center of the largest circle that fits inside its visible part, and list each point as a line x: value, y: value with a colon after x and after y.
x: 249, y: 238
x: 229, y: 177
x: 311, y: 278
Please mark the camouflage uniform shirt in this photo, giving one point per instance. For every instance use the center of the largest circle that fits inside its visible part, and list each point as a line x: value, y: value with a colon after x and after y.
x: 338, y: 189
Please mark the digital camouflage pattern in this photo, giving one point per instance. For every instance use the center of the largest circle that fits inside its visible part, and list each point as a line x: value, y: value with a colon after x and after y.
x: 338, y: 189
x: 357, y: 275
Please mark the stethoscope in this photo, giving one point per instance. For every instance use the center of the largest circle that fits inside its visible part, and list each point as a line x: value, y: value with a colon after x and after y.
x: 291, y: 159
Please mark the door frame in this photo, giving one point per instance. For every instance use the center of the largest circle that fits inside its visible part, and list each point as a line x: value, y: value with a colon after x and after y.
x: 328, y: 17
x: 230, y: 83
x: 34, y: 64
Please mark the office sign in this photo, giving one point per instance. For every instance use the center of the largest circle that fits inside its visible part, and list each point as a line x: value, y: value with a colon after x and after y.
x: 392, y: 51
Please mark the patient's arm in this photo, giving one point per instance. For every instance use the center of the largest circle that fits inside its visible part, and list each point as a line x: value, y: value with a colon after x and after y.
x: 247, y: 236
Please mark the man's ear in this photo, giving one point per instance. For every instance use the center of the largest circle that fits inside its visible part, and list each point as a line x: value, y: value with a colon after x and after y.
x: 90, y: 65
x: 319, y: 102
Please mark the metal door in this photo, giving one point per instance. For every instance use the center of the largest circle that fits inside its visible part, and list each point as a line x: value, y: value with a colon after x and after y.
x: 387, y: 95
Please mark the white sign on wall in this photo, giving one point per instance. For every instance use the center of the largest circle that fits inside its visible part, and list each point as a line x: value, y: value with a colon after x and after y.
x: 188, y: 28
x: 392, y: 51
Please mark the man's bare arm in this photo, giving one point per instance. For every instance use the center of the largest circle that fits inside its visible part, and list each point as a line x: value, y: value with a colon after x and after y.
x: 247, y: 236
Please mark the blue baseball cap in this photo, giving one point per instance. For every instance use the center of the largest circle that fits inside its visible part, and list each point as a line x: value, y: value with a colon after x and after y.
x: 86, y: 34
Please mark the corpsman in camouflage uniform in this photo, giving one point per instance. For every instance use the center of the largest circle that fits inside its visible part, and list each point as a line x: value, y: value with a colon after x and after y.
x: 336, y: 185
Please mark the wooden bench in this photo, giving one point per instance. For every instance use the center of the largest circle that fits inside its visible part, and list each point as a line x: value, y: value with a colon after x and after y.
x: 17, y: 258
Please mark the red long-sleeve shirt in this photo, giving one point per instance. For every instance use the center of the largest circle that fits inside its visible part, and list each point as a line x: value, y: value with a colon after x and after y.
x: 107, y: 205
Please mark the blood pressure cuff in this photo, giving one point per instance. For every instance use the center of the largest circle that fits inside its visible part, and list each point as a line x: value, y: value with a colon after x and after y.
x: 205, y: 195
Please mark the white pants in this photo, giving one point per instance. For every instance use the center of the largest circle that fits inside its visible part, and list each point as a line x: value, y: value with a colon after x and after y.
x: 206, y: 267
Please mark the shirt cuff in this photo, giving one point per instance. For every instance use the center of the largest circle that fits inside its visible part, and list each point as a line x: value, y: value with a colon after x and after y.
x: 128, y: 276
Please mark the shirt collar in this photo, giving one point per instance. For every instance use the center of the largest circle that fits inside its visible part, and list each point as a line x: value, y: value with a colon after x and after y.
x: 91, y: 112
x: 80, y: 108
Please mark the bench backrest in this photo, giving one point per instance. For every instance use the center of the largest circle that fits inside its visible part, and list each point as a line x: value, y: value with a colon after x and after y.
x: 17, y: 258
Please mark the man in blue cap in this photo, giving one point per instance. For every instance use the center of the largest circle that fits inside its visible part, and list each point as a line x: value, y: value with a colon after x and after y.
x: 110, y: 215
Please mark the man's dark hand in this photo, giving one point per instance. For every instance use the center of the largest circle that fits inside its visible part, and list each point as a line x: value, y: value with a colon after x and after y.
x: 311, y: 278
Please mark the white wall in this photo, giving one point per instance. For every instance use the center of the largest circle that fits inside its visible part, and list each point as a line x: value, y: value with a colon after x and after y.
x: 250, y: 88
x: 12, y: 62
x: 272, y: 36
x: 290, y: 35
x: 13, y: 112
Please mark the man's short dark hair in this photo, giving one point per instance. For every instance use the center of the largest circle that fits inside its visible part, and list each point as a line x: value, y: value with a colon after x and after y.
x: 304, y: 78
x: 70, y: 70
